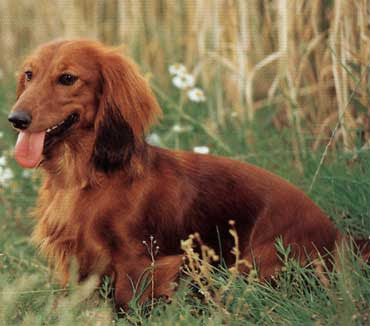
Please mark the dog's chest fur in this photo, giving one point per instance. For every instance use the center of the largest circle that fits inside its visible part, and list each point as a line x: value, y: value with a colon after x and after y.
x: 64, y: 219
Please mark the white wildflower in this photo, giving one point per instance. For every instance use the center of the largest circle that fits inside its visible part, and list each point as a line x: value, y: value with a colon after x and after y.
x: 196, y: 95
x: 179, y: 128
x: 6, y: 174
x: 1, y: 134
x: 183, y: 81
x: 177, y: 69
x: 234, y: 114
x: 27, y: 173
x: 2, y: 160
x: 201, y: 149
x: 153, y: 139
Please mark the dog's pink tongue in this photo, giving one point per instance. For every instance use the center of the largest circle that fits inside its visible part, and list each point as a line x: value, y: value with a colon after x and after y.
x: 28, y: 149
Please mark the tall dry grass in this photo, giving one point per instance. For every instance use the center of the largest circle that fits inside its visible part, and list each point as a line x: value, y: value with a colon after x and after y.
x: 307, y: 59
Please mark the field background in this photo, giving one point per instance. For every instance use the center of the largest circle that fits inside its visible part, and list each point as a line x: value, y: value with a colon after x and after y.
x: 287, y: 87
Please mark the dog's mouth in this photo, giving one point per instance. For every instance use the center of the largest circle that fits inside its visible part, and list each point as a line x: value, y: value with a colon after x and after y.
x: 31, y: 146
x: 56, y: 132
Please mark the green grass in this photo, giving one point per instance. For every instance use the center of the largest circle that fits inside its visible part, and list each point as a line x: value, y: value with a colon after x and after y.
x: 30, y: 296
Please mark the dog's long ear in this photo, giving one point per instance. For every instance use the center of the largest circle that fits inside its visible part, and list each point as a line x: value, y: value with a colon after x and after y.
x: 127, y: 108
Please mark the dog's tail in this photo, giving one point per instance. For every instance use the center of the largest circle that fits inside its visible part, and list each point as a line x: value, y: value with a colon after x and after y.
x: 362, y: 246
x: 359, y: 246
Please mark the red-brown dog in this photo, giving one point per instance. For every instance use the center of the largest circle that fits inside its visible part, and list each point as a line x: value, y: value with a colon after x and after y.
x: 82, y: 111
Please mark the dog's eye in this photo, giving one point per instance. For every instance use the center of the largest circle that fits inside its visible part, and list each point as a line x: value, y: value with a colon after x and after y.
x: 28, y: 75
x: 67, y: 79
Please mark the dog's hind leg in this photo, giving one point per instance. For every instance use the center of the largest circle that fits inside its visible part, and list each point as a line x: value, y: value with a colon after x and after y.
x: 147, y: 279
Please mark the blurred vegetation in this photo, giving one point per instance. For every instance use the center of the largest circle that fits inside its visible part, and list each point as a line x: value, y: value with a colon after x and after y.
x: 287, y: 87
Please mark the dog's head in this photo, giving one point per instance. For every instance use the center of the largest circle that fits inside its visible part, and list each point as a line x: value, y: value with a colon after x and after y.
x: 68, y: 89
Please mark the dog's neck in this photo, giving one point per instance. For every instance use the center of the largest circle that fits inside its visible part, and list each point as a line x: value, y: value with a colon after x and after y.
x: 67, y: 165
x: 71, y: 165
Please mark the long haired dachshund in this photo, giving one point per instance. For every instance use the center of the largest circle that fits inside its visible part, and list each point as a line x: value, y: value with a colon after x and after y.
x: 82, y: 111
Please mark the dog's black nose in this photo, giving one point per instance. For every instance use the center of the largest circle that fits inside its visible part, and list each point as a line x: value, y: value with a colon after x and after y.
x: 20, y: 119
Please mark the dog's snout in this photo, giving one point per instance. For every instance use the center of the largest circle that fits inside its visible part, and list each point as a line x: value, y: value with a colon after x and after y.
x: 20, y: 119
